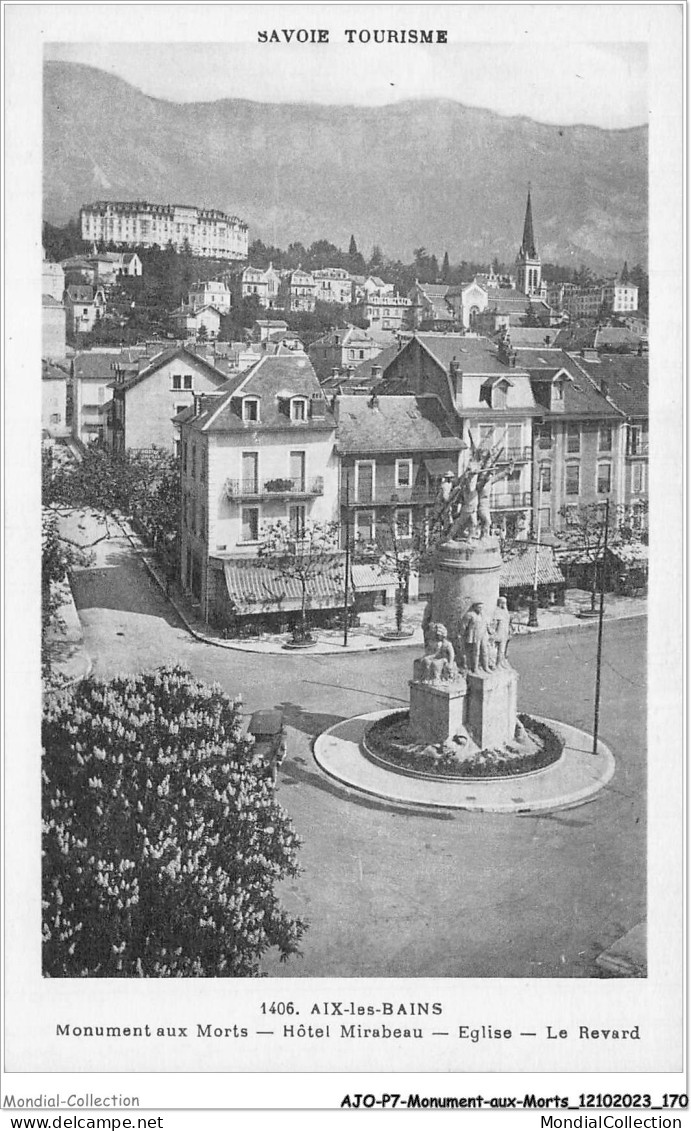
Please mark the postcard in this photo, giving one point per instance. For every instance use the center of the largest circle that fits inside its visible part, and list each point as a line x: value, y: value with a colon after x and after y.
x: 343, y: 559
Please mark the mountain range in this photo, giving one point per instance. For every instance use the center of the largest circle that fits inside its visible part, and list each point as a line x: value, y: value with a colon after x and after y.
x: 428, y: 173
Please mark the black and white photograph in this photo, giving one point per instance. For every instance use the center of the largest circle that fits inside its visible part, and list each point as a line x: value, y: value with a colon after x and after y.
x: 343, y: 543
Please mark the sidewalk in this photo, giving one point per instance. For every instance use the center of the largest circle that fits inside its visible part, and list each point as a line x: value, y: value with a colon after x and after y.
x: 69, y: 657
x: 368, y: 637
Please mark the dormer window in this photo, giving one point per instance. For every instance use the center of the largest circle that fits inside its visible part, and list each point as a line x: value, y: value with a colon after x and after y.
x: 298, y: 408
x: 499, y: 394
x: 250, y: 408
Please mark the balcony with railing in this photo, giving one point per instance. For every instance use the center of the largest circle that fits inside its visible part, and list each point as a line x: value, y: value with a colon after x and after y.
x: 515, y: 455
x: 237, y: 490
x: 389, y: 496
x: 636, y: 448
x: 509, y: 500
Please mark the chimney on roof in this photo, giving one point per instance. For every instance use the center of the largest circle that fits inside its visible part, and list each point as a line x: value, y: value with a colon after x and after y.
x: 198, y: 398
x: 317, y: 406
x: 589, y: 354
x: 604, y: 388
x: 547, y: 339
x: 456, y: 376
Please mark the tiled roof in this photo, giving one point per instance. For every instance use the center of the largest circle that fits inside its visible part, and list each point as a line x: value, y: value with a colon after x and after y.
x: 274, y: 379
x: 509, y: 302
x: 582, y: 395
x: 186, y: 355
x: 626, y: 378
x: 253, y: 588
x: 48, y: 300
x: 52, y: 372
x: 592, y: 337
x: 77, y: 263
x: 80, y: 294
x: 531, y: 336
x: 393, y: 424
x: 366, y: 576
x: 363, y: 371
x: 519, y: 571
x: 433, y: 290
x: 94, y: 365
x: 628, y: 553
x: 474, y: 355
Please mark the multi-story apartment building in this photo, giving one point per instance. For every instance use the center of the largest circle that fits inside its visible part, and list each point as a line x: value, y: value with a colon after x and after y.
x: 585, y: 302
x: 211, y: 292
x: 53, y: 328
x: 297, y: 291
x: 429, y: 307
x: 394, y: 451
x: 255, y: 281
x: 54, y: 400
x: 623, y: 381
x: 487, y: 395
x: 53, y: 280
x: 92, y: 373
x: 333, y: 285
x: 136, y: 223
x: 579, y: 437
x: 342, y: 350
x: 85, y: 306
x: 620, y: 298
x: 146, y: 401
x: 383, y: 312
x: 259, y: 451
x: 189, y: 320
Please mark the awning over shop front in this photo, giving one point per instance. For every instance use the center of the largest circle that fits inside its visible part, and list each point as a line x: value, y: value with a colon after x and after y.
x: 519, y: 572
x: 369, y: 578
x: 442, y: 465
x: 630, y: 553
x: 256, y: 589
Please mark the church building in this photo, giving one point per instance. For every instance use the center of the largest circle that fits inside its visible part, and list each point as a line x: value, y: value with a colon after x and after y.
x: 528, y: 262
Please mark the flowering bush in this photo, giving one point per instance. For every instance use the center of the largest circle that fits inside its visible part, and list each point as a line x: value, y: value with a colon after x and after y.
x: 162, y: 840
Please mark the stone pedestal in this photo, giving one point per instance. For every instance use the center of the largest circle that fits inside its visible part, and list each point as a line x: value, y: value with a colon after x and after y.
x: 491, y: 707
x: 465, y: 572
x: 437, y: 710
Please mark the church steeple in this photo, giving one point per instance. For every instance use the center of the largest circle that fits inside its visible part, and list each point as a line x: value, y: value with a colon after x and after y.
x: 528, y: 245
x: 528, y: 261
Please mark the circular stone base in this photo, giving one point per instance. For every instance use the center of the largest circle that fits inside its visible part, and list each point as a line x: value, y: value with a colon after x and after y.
x: 576, y: 778
x: 296, y: 645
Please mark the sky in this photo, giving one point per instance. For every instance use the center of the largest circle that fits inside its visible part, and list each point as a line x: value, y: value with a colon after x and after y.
x: 602, y: 84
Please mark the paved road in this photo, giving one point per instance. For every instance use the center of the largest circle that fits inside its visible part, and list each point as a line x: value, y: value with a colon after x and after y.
x: 394, y: 893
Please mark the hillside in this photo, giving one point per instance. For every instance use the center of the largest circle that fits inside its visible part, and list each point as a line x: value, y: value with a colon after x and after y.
x: 433, y: 173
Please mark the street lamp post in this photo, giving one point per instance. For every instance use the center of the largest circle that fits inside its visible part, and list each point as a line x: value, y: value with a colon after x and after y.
x: 601, y: 620
x: 532, y: 616
x: 347, y: 562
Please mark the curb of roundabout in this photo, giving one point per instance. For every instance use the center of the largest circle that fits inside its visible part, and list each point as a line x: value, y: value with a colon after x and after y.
x: 576, y: 778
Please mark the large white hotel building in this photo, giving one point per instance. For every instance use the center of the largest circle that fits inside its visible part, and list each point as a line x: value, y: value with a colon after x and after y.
x: 135, y: 223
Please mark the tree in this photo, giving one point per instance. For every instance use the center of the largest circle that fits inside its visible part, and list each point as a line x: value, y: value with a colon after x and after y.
x: 584, y: 535
x: 202, y: 333
x: 352, y: 247
x: 162, y: 840
x: 445, y: 268
x: 144, y: 485
x: 303, y: 556
x: 398, y: 550
x: 376, y: 260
